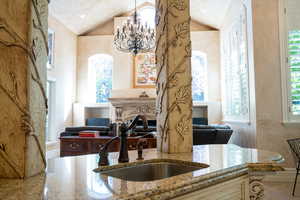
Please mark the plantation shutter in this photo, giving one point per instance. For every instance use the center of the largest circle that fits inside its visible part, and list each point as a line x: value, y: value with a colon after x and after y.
x: 293, y: 25
x: 235, y: 69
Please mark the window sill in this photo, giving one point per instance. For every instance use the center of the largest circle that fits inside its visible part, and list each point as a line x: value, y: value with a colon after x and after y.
x: 199, y: 103
x: 97, y: 105
x: 237, y: 121
x: 291, y: 123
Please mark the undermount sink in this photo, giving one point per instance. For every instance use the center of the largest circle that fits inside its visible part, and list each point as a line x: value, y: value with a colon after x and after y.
x: 152, y: 170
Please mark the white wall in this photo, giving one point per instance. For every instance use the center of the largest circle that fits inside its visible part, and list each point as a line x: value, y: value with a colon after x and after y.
x: 64, y: 74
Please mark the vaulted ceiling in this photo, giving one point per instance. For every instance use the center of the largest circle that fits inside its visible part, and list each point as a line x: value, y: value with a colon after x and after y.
x: 81, y: 16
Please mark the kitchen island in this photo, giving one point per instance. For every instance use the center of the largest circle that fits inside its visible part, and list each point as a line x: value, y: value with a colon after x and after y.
x: 228, y: 166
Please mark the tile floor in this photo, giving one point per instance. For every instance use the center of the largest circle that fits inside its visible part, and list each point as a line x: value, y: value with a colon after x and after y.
x: 281, y: 191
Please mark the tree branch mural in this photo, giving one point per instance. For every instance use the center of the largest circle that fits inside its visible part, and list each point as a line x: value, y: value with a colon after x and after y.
x: 173, y: 49
x: 27, y: 124
x: 10, y: 162
x: 16, y: 41
x: 34, y: 50
x: 39, y: 25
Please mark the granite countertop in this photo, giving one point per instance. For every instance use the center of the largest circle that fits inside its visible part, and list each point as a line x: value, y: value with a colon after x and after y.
x: 71, y: 178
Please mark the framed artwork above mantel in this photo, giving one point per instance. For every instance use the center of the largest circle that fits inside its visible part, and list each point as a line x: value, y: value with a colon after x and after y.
x: 144, y: 70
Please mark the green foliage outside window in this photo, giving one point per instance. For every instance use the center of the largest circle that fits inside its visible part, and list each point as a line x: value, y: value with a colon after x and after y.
x: 294, y: 63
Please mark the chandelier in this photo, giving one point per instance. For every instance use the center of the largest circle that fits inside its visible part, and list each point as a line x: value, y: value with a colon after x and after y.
x: 134, y: 37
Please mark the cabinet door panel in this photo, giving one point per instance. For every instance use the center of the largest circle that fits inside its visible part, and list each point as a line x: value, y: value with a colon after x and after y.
x: 235, y: 189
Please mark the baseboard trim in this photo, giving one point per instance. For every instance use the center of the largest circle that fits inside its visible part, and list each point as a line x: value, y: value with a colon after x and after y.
x: 282, y: 176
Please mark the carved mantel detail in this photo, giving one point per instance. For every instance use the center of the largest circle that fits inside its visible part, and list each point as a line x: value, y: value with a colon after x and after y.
x: 127, y: 108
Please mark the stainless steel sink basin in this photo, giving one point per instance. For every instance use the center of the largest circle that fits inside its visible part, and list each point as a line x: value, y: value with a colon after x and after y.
x: 153, y: 170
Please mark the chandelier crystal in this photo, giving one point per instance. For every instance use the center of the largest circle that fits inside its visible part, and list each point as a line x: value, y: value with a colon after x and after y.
x: 134, y: 37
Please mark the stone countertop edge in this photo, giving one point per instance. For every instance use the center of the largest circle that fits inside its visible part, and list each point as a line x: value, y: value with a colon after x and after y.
x: 202, y: 182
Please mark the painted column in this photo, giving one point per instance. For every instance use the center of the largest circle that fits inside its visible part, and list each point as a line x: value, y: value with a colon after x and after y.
x: 173, y: 57
x: 23, y: 103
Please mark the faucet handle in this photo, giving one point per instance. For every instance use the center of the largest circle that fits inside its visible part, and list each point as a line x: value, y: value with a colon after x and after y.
x: 103, y: 160
x: 140, y: 144
x: 103, y: 153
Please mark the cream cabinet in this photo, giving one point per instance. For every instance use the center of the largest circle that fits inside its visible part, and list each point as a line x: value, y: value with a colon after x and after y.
x: 234, y: 189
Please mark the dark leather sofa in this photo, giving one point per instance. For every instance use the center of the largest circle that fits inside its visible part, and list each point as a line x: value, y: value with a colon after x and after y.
x: 152, y: 125
x: 200, y: 121
x: 211, y: 134
x: 102, y: 125
x: 202, y: 133
x: 140, y: 128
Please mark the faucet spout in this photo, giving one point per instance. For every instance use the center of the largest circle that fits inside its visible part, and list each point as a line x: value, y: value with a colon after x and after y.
x: 136, y: 119
x: 123, y: 154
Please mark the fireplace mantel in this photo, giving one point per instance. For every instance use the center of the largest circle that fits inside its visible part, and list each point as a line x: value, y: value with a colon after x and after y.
x: 127, y: 108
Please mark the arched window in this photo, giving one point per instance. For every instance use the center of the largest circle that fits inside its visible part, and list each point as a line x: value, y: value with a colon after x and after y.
x: 100, y: 77
x: 199, y: 84
x: 147, y: 15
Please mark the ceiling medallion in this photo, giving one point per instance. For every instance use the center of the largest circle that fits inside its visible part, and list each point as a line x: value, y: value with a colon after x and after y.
x: 134, y: 37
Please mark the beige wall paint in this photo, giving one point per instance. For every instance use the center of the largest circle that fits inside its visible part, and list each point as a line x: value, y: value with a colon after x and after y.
x: 244, y: 132
x: 271, y: 133
x: 89, y: 46
x: 122, y: 70
x: 64, y: 75
x: 198, y: 26
x: 205, y: 41
x: 208, y: 42
x: 107, y: 28
x: 122, y: 82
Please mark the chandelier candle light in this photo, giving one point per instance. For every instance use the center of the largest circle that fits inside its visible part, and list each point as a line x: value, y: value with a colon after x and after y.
x: 133, y: 37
